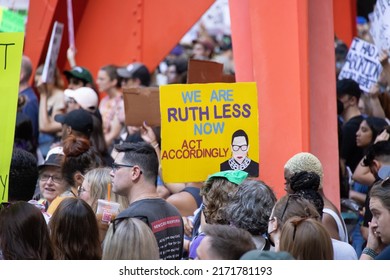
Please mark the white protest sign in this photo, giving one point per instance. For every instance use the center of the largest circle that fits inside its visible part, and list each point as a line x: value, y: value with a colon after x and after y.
x: 52, y: 53
x: 380, y: 25
x: 362, y: 64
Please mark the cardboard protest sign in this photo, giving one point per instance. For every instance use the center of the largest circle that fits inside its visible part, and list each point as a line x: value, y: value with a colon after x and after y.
x: 142, y: 104
x: 50, y: 65
x: 204, y: 71
x: 11, y: 48
x: 206, y: 128
x: 362, y: 64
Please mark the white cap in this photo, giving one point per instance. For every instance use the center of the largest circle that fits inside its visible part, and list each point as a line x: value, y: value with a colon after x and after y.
x: 86, y: 97
x: 55, y: 150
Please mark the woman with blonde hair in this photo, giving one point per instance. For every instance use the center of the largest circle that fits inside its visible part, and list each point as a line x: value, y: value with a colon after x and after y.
x: 96, y: 185
x: 130, y: 239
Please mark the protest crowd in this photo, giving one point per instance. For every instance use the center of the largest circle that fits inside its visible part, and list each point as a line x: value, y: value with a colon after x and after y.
x: 84, y: 185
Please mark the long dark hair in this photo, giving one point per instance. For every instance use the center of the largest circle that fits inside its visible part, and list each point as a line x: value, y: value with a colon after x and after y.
x: 24, y: 234
x: 74, y: 231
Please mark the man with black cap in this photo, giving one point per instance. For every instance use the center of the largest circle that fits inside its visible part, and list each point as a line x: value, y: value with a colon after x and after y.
x: 348, y: 93
x: 78, y: 122
x: 134, y: 75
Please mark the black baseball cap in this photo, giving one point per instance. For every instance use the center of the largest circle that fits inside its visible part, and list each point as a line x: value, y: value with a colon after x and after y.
x: 79, y: 120
x: 135, y: 70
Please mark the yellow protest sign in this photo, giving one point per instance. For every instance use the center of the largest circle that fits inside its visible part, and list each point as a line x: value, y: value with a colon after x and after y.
x: 11, y: 48
x: 206, y: 128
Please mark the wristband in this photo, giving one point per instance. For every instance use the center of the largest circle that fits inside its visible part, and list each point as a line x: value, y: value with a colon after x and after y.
x: 370, y: 252
x: 155, y: 145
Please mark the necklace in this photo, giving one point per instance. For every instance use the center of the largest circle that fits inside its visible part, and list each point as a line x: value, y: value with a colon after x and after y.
x: 239, y: 166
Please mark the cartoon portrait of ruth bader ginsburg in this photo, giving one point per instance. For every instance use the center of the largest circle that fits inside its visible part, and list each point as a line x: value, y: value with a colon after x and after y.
x: 240, y: 160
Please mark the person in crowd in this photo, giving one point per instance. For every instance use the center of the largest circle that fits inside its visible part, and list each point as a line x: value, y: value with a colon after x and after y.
x: 51, y: 182
x: 224, y: 242
x: 51, y: 103
x: 31, y: 106
x: 81, y: 123
x: 134, y: 175
x: 177, y: 70
x: 134, y: 75
x: 112, y: 106
x: 96, y: 185
x: 341, y: 50
x: 78, y: 123
x: 79, y: 77
x: 130, y: 239
x: 348, y: 93
x: 369, y: 130
x: 81, y: 98
x: 375, y: 161
x: 74, y: 231
x: 202, y: 48
x: 306, y: 239
x: 305, y: 184
x: 378, y: 241
x: 288, y: 206
x: 24, y: 234
x: 250, y: 209
x: 79, y: 158
x: 331, y: 217
x: 23, y: 175
x: 217, y: 191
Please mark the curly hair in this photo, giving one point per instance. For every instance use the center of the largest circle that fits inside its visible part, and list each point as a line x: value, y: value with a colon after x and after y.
x: 305, y: 181
x: 251, y: 207
x: 217, y: 192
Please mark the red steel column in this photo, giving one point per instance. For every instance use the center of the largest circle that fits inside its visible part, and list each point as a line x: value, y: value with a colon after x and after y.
x: 293, y: 65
